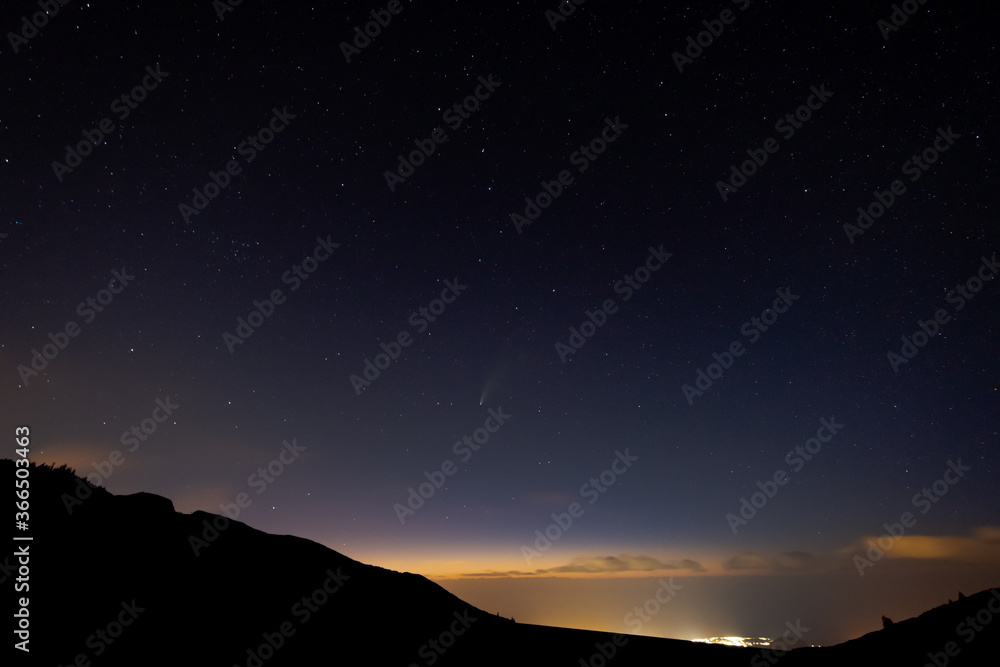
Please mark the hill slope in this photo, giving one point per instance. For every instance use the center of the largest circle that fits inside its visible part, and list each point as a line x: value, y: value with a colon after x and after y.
x: 127, y: 580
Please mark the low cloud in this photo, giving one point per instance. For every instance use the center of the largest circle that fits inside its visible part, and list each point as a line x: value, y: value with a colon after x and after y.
x: 787, y: 561
x: 625, y: 563
x: 982, y: 547
x: 601, y: 564
x: 746, y: 561
x: 795, y: 560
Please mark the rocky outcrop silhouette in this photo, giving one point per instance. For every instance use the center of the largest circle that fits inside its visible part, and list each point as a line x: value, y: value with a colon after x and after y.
x: 126, y: 580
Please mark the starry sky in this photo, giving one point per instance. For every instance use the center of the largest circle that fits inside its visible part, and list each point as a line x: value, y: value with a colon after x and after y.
x: 702, y: 294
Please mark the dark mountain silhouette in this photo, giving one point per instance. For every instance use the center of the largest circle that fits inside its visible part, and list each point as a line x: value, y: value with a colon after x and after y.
x: 117, y: 580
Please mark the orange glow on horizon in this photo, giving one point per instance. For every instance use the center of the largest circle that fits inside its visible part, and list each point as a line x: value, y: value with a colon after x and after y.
x: 486, y: 565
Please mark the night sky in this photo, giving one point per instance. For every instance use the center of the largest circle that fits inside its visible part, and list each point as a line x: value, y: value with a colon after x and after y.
x: 628, y: 301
